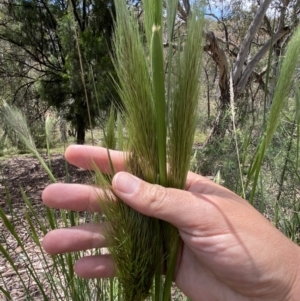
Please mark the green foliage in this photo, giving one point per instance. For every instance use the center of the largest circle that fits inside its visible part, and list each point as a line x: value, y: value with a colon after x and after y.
x: 44, y: 38
x: 289, y: 65
x: 150, y: 120
x: 153, y: 100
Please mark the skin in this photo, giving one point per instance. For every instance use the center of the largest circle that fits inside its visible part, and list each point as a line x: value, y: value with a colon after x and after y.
x: 229, y: 250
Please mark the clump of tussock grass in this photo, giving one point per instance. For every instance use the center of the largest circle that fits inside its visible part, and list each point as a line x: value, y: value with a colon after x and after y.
x: 160, y: 114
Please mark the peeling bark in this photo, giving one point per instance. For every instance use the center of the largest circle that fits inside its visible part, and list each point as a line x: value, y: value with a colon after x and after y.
x: 240, y: 85
x: 245, y: 47
x: 218, y: 55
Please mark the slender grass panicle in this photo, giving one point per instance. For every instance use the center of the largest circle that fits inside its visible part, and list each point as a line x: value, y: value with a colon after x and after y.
x: 49, y: 125
x: 110, y: 140
x: 160, y: 104
x: 15, y: 119
x: 288, y: 66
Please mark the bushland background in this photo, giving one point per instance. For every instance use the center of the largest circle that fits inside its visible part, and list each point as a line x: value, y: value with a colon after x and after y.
x: 55, y: 62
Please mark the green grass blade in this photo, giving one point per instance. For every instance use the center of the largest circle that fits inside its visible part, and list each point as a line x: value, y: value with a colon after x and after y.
x: 48, y: 128
x: 120, y: 126
x: 289, y: 64
x: 171, y: 17
x: 158, y: 79
x: 33, y: 212
x: 5, y: 292
x: 9, y: 259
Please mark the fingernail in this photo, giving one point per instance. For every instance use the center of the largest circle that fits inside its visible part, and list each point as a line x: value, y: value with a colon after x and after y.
x: 126, y: 183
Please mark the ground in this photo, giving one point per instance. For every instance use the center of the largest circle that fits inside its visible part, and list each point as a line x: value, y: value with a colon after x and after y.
x: 28, y: 174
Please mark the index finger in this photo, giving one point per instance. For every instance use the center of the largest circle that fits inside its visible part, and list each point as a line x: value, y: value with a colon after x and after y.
x: 89, y: 157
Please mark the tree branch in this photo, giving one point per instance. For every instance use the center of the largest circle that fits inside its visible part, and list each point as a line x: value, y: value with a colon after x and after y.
x: 183, y: 15
x: 77, y: 18
x: 251, y: 65
x: 244, y: 49
x: 230, y: 43
x: 218, y: 55
x: 268, y: 28
x: 187, y: 6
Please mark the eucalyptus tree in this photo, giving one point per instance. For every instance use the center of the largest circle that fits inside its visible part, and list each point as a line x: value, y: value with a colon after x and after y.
x: 246, y: 32
x: 61, y: 52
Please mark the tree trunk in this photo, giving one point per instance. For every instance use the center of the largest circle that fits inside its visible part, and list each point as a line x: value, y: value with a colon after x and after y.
x: 245, y: 47
x: 241, y: 69
x: 219, y: 57
x: 80, y: 127
x: 240, y: 76
x: 221, y: 123
x: 275, y: 40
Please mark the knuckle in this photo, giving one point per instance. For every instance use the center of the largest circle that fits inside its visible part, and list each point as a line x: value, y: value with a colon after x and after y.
x: 157, y: 196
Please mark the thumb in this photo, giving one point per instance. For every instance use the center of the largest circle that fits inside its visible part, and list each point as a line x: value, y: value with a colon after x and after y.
x: 175, y: 206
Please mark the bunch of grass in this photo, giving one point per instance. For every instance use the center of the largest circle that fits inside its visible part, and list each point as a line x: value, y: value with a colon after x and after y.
x: 160, y: 102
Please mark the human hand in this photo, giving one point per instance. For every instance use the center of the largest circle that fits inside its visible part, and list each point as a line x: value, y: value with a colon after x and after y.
x: 229, y: 250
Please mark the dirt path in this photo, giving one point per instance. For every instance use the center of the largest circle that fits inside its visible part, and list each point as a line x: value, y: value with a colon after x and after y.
x: 26, y: 172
